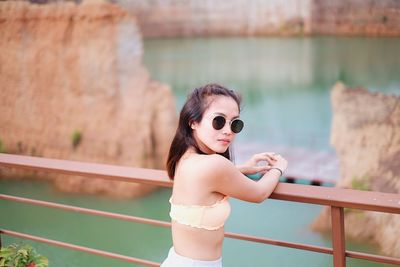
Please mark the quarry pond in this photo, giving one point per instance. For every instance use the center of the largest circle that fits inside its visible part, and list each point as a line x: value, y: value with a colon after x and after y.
x: 285, y: 83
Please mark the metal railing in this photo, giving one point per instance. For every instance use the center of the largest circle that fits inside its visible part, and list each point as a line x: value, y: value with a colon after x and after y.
x: 337, y: 199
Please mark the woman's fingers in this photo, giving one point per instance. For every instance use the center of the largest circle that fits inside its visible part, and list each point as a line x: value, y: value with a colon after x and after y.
x: 271, y: 158
x: 263, y: 169
x: 264, y: 156
x: 267, y: 156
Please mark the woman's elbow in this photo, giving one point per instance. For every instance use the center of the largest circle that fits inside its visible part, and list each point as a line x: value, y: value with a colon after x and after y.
x: 263, y: 197
x: 260, y: 197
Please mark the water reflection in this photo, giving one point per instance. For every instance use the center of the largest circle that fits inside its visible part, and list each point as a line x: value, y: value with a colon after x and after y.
x: 269, y: 64
x: 285, y: 81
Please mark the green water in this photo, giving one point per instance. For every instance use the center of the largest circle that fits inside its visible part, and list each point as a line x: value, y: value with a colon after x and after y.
x: 285, y: 84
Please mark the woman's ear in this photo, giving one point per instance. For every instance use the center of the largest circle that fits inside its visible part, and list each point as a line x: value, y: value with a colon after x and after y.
x: 193, y: 125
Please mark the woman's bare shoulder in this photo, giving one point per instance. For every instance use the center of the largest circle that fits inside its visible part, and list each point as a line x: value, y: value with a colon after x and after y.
x: 206, y: 165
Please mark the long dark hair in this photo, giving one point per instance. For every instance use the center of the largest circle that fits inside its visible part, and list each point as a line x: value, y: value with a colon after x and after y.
x: 192, y: 111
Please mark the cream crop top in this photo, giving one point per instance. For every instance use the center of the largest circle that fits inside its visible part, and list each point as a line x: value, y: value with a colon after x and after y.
x: 210, y: 217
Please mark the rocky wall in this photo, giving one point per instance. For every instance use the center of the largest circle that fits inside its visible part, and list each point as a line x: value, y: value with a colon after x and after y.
x: 168, y: 18
x: 356, y: 17
x: 73, y: 86
x: 366, y: 137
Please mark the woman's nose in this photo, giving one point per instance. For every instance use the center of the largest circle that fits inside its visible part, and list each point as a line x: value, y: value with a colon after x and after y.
x: 227, y: 129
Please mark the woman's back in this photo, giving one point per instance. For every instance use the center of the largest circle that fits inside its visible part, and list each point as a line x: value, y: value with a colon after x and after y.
x: 204, y: 209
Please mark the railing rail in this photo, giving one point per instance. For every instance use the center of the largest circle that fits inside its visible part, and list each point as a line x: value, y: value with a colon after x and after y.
x: 337, y: 199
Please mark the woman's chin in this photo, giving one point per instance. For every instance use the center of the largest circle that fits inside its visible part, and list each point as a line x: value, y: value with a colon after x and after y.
x: 218, y: 148
x: 221, y: 149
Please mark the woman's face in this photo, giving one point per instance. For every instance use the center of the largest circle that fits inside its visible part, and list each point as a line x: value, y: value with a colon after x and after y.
x: 209, y: 139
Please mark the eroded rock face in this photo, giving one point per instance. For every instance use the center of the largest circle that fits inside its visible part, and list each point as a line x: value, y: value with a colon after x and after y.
x: 220, y: 18
x: 73, y: 86
x: 265, y: 17
x: 354, y: 17
x: 366, y: 137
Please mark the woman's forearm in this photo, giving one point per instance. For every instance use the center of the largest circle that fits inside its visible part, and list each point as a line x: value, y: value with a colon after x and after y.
x: 269, y: 181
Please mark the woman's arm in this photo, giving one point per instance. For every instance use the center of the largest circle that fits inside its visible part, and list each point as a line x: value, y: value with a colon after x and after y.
x: 228, y: 180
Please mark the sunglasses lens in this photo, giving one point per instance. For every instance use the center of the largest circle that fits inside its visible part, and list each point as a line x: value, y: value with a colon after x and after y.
x: 237, y: 126
x: 218, y: 122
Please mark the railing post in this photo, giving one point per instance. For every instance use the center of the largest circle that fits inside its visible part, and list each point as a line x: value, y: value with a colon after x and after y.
x: 338, y: 238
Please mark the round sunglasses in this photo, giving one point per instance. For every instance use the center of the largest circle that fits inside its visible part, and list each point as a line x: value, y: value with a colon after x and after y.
x: 219, y: 122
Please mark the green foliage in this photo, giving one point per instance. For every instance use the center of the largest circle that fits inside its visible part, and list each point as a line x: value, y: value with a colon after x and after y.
x: 21, y: 256
x: 33, y: 152
x: 76, y: 138
x: 359, y: 213
x: 2, y: 147
x: 342, y: 76
x: 20, y: 147
x: 361, y: 183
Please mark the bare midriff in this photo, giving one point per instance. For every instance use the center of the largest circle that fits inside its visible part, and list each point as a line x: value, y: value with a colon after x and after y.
x: 198, y: 244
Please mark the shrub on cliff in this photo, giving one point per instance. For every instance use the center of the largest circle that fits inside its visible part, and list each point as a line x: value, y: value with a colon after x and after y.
x: 21, y: 256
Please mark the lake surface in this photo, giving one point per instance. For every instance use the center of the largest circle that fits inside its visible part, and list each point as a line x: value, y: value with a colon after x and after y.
x: 285, y: 83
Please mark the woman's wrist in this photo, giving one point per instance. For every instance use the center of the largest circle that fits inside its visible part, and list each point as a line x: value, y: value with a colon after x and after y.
x: 278, y: 169
x: 241, y: 168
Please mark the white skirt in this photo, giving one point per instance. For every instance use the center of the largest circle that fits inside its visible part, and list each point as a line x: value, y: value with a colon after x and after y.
x: 175, y: 260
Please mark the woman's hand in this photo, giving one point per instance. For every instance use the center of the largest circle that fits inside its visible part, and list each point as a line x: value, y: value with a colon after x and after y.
x: 252, y: 166
x: 280, y: 163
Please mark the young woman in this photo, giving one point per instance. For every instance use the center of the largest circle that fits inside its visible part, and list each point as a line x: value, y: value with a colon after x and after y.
x: 204, y: 177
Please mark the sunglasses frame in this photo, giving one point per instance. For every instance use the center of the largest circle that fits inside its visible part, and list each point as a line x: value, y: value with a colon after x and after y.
x: 230, y: 124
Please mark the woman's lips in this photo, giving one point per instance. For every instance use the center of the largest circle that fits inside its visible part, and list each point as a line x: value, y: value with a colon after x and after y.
x: 224, y: 141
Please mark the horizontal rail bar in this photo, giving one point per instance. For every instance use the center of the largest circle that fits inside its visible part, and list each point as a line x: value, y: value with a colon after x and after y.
x: 86, y: 211
x: 249, y: 238
x: 86, y: 169
x: 338, y: 197
x: 370, y: 257
x: 79, y: 248
x: 279, y: 243
x: 346, y: 198
x: 318, y: 249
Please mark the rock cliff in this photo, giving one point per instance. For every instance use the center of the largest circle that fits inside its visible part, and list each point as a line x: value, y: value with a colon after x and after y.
x: 366, y: 137
x: 265, y: 17
x: 220, y: 18
x: 73, y: 86
x: 354, y: 17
